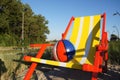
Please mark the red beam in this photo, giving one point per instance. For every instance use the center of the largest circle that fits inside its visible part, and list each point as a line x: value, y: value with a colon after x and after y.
x: 104, y: 23
x: 39, y: 45
x: 68, y: 27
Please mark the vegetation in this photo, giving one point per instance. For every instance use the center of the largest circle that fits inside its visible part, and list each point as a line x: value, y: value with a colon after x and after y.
x: 114, y: 49
x: 13, y: 16
x: 114, y: 52
x: 16, y: 17
x: 13, y: 13
x: 12, y: 65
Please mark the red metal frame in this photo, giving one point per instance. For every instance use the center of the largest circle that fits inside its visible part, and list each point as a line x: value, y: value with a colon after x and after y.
x: 68, y: 27
x: 101, y: 54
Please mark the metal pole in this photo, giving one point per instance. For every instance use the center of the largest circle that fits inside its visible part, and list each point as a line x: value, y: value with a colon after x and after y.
x: 22, y: 32
x: 116, y: 30
x: 113, y: 32
x: 117, y: 13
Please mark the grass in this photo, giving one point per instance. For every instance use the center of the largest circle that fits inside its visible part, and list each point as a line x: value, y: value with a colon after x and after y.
x: 8, y: 57
x: 12, y: 62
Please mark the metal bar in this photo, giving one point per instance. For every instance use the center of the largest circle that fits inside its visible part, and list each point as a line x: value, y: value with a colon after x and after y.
x: 104, y: 23
x: 22, y: 36
x: 68, y: 27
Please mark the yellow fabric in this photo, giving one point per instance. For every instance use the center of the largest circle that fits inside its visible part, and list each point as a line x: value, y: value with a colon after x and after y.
x: 75, y: 30
x: 95, y: 39
x: 85, y: 34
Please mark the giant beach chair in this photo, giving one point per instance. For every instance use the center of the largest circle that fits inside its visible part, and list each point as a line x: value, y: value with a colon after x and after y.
x: 90, y: 41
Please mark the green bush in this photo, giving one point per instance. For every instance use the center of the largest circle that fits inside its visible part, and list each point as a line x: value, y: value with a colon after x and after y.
x: 47, y: 54
x: 114, y: 52
x: 7, y: 40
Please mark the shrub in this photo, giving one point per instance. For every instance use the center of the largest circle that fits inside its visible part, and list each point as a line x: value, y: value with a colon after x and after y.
x: 114, y: 52
x: 7, y: 40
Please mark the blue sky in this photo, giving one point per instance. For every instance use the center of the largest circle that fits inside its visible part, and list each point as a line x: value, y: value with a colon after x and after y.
x: 59, y: 12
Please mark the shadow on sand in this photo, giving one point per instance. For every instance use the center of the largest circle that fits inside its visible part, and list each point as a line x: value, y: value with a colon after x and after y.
x: 60, y: 73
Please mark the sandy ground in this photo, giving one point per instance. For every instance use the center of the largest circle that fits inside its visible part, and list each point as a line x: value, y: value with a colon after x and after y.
x: 45, y: 72
x: 59, y: 73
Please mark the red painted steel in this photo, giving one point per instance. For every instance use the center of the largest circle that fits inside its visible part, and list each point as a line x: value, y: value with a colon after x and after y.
x: 27, y: 58
x: 68, y: 27
x: 39, y: 45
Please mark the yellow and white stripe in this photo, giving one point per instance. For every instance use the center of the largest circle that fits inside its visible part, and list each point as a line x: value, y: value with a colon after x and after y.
x: 85, y: 36
x: 55, y: 63
x: 88, y: 42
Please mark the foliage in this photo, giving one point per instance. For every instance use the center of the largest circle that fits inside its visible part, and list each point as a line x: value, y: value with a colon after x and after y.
x: 12, y: 13
x: 114, y: 37
x: 48, y: 54
x: 114, y: 52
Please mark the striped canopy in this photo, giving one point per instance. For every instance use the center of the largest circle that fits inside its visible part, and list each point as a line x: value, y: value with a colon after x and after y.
x: 85, y: 36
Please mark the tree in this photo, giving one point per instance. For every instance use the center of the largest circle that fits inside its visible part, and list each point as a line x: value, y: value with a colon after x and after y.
x: 38, y: 29
x: 113, y: 37
x: 35, y: 26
